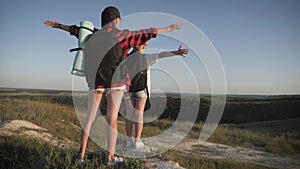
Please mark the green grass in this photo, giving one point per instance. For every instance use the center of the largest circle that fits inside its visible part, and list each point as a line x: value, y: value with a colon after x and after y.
x: 56, y: 113
x: 283, y: 145
x: 275, y: 144
x: 17, y: 152
x: 44, y: 114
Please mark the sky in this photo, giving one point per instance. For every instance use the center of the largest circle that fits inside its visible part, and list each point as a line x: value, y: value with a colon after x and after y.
x: 257, y: 42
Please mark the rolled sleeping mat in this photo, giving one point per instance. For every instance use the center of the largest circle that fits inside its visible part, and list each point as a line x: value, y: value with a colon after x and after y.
x: 85, y: 31
x: 149, y: 82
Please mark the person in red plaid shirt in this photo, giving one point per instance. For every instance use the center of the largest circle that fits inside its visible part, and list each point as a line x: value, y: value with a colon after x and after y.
x: 110, y: 21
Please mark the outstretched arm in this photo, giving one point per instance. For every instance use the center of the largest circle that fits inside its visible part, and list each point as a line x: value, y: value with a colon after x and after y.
x: 55, y: 24
x: 170, y: 28
x: 181, y: 52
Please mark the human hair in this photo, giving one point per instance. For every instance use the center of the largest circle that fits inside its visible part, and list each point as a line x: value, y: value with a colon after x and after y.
x: 109, y: 14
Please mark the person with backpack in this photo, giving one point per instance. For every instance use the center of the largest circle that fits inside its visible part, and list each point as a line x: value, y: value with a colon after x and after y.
x: 100, y: 71
x: 138, y: 67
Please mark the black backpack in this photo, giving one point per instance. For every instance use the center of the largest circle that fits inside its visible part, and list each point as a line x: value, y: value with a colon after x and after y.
x: 137, y: 69
x: 103, y: 54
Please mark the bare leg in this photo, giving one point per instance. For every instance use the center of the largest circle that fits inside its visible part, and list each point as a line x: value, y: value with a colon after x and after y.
x: 94, y: 101
x: 139, y: 112
x: 130, y: 116
x: 114, y: 99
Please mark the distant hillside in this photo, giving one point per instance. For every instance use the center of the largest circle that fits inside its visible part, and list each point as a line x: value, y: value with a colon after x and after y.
x: 241, y: 109
x: 238, y: 108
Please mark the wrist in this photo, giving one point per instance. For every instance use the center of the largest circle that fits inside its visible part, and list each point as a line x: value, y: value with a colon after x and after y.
x: 59, y: 26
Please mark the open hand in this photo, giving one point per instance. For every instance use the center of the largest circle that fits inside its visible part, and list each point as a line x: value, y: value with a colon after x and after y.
x: 52, y: 24
x: 182, y: 52
x: 175, y: 26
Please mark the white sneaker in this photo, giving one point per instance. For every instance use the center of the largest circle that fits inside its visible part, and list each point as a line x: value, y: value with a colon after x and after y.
x: 118, y: 159
x: 85, y: 161
x: 139, y: 144
x: 115, y: 161
x: 129, y: 143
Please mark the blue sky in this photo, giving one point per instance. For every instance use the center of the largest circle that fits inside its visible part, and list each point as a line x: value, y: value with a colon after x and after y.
x: 258, y: 42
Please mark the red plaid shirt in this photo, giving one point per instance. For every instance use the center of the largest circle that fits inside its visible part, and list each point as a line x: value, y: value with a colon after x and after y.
x: 127, y: 39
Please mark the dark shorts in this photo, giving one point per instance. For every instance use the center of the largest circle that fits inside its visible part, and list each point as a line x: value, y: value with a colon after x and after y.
x: 136, y: 95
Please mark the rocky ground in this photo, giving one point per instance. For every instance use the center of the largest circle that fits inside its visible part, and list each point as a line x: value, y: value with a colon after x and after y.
x: 189, y: 147
x: 219, y: 151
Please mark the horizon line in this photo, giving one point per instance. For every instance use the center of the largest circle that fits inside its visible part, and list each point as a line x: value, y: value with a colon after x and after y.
x: 167, y: 92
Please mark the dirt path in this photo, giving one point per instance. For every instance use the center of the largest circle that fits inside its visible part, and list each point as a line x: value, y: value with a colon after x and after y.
x: 192, y: 147
x: 241, y: 154
x: 158, y: 163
